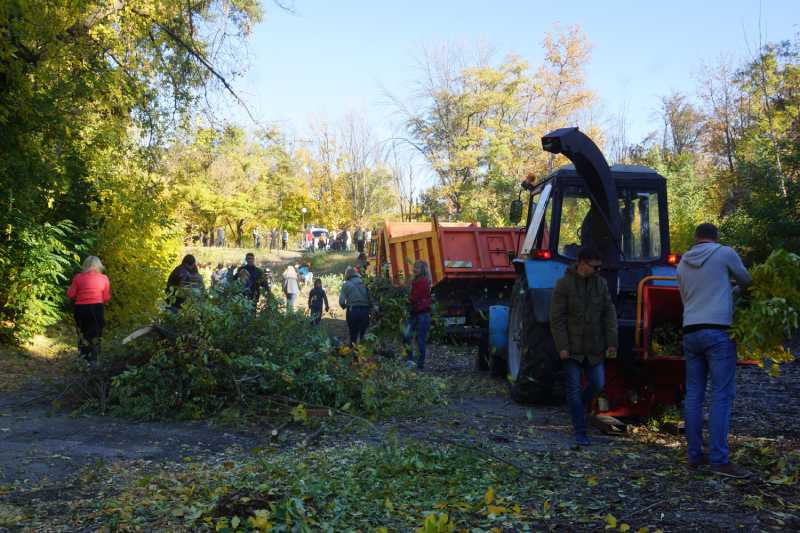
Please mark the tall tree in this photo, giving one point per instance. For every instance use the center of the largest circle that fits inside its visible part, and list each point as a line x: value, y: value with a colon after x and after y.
x: 87, y: 88
x: 478, y: 125
x: 683, y: 124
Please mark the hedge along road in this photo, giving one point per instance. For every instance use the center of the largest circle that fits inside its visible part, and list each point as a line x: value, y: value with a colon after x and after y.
x: 53, y: 460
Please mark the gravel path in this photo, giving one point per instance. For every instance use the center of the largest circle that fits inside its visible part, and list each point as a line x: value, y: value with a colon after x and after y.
x: 39, y: 444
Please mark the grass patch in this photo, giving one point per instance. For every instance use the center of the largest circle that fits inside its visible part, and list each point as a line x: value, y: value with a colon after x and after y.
x: 323, y: 263
x: 45, y: 358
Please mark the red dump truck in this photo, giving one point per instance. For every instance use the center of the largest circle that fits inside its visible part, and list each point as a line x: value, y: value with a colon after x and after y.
x: 470, y: 266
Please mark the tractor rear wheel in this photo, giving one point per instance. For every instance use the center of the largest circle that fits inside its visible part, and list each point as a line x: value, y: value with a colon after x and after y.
x: 533, y: 365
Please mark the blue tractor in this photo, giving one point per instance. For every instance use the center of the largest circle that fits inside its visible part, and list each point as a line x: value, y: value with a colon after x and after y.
x: 622, y: 212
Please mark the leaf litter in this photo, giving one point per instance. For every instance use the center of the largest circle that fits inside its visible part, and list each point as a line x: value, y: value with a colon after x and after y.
x: 475, y: 463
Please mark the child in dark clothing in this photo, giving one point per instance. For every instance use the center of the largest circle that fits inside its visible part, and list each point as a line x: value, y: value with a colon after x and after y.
x: 316, y: 299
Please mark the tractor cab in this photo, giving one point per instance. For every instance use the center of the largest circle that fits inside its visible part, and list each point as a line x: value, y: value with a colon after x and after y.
x: 622, y: 212
x: 562, y: 218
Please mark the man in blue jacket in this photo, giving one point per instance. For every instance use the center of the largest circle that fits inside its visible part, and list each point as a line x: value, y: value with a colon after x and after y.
x: 704, y: 279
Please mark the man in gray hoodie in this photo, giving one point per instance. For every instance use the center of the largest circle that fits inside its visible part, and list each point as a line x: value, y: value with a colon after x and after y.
x: 354, y: 297
x: 704, y: 279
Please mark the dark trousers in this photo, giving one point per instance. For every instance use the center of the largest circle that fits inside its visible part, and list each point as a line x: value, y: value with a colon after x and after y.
x: 357, y: 322
x: 316, y: 314
x: 90, y: 321
x: 579, y: 399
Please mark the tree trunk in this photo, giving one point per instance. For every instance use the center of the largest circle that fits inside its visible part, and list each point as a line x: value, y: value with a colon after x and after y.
x: 239, y: 232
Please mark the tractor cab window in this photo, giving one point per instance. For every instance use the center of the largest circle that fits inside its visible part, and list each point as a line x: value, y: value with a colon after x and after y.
x: 641, y: 229
x: 539, y: 212
x: 580, y: 225
x: 573, y: 234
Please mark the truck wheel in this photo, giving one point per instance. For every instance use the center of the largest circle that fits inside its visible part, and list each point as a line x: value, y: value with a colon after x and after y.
x: 533, y: 364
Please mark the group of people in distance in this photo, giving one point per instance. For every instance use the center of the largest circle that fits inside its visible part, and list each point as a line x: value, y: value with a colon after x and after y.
x: 273, y: 239
x: 583, y: 324
x: 339, y: 241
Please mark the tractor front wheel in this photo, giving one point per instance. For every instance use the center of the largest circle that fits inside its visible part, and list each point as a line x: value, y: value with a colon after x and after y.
x: 533, y: 365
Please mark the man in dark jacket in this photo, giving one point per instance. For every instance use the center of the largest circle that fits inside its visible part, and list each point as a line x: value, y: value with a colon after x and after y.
x: 184, y: 279
x: 704, y: 279
x: 583, y: 321
x: 254, y: 278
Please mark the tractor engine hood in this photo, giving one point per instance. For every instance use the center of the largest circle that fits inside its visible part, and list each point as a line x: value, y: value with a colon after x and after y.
x: 593, y: 168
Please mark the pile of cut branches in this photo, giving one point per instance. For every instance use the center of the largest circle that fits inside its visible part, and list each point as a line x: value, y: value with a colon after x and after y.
x: 224, y: 353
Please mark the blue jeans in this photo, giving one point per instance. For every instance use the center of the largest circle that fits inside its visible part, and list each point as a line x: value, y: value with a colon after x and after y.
x: 578, y: 400
x: 419, y: 323
x: 709, y: 352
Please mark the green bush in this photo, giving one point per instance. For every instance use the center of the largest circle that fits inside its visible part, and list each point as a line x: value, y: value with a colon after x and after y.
x: 770, y: 315
x: 228, y: 354
x: 763, y: 223
x: 135, y: 239
x: 391, y: 307
x: 35, y: 263
x: 392, y: 310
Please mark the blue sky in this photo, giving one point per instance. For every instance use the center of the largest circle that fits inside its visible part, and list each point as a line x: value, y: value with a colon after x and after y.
x: 335, y: 56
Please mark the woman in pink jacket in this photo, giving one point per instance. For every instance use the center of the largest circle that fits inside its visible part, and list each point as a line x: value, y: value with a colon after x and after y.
x: 91, y: 290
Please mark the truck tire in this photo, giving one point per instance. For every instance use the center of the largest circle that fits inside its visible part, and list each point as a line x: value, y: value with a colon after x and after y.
x: 533, y: 365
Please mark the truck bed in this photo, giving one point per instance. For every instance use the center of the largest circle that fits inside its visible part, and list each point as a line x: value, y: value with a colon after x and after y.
x: 453, y: 250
